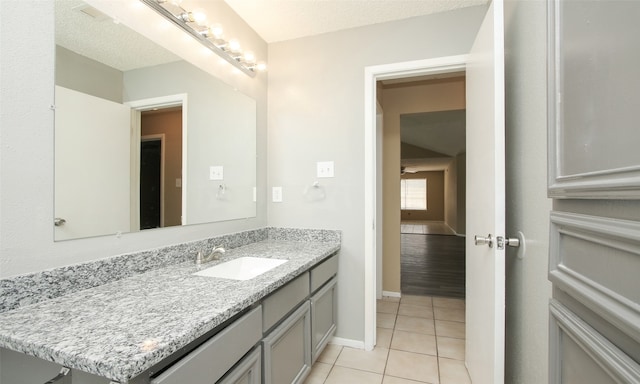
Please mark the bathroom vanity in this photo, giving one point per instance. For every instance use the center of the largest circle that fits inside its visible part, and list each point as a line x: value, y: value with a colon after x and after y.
x: 169, y: 325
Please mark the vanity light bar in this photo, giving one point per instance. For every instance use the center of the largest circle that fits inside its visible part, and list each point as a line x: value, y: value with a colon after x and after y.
x: 210, y: 37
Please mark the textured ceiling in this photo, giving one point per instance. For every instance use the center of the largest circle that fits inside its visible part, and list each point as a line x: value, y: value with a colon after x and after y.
x: 117, y: 46
x: 90, y: 33
x: 278, y: 20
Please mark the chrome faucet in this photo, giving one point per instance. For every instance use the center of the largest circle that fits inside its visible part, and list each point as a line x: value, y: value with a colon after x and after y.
x: 214, y: 255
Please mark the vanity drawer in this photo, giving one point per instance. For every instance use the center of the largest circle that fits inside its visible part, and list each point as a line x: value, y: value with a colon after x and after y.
x: 324, y: 272
x: 210, y: 361
x: 284, y: 300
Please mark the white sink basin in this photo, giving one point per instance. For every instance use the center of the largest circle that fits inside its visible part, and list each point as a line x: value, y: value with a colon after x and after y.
x: 242, y: 268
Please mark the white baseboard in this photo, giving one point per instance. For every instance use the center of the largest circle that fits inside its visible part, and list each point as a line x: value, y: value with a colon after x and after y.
x: 347, y: 342
x: 390, y: 294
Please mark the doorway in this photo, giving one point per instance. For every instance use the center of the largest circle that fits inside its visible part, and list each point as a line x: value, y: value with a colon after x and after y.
x: 162, y: 116
x: 151, y: 181
x: 373, y: 169
x: 165, y: 125
x: 424, y: 146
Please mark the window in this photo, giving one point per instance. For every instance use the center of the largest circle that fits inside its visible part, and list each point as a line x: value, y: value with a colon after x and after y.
x: 413, y: 194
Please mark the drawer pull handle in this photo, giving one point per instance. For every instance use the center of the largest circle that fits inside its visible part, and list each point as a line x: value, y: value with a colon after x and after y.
x: 64, y: 377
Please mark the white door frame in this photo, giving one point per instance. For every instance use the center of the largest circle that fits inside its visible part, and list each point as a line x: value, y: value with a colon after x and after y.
x: 137, y: 106
x: 371, y: 215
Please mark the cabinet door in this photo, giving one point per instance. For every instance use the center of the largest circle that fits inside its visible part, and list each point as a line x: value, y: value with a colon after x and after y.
x: 287, y: 350
x: 248, y: 371
x: 323, y: 317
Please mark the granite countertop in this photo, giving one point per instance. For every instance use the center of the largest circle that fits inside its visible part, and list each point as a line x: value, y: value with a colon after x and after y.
x: 120, y: 329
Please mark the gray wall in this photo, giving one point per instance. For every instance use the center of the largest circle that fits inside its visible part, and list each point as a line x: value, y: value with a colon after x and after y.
x: 220, y: 132
x: 26, y: 157
x: 527, y: 287
x: 316, y: 113
x: 88, y: 76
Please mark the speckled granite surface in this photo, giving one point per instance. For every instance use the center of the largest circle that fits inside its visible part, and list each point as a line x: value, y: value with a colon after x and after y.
x: 34, y: 287
x: 119, y: 329
x: 294, y: 234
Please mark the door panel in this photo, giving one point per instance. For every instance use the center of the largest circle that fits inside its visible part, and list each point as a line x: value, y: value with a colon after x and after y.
x: 485, y: 266
x: 92, y: 155
x: 593, y: 164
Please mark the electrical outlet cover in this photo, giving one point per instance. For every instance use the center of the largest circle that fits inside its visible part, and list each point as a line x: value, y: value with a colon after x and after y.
x: 216, y: 172
x: 325, y: 169
x: 276, y: 194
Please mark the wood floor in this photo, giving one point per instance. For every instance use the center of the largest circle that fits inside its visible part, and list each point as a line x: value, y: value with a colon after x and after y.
x: 432, y: 265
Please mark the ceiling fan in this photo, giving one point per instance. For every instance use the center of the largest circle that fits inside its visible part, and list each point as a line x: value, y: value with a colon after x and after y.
x: 404, y: 170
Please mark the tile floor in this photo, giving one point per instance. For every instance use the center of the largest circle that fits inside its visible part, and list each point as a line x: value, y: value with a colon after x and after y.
x: 420, y: 340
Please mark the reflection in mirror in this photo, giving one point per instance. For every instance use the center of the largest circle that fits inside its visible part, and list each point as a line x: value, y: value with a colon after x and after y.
x: 143, y: 139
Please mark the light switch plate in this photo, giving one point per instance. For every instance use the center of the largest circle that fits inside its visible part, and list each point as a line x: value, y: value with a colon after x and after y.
x: 216, y: 172
x: 325, y: 168
x: 276, y: 194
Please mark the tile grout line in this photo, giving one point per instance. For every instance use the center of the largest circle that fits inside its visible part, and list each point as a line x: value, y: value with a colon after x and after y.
x: 393, y: 330
x: 333, y: 365
x: 433, y: 312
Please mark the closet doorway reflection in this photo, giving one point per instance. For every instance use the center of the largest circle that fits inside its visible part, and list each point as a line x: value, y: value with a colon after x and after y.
x: 160, y: 168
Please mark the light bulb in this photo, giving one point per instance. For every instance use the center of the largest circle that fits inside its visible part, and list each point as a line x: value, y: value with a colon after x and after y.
x: 234, y: 45
x: 249, y: 57
x: 217, y: 31
x: 199, y: 17
x: 262, y: 66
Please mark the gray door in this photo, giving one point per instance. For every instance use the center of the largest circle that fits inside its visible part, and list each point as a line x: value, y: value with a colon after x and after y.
x: 594, y: 179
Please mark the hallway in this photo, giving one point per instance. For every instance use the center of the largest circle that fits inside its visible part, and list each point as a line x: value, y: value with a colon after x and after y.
x: 420, y: 339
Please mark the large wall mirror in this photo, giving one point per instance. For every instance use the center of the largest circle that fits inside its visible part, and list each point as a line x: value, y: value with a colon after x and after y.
x: 143, y: 139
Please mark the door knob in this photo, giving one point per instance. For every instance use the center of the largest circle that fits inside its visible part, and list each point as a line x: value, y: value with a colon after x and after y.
x: 501, y: 241
x: 59, y: 221
x: 481, y: 240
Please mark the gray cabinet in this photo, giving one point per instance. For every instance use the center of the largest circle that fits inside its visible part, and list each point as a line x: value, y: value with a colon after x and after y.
x: 323, y: 317
x: 323, y: 304
x: 248, y: 371
x: 287, y: 349
x: 323, y: 272
x: 210, y: 361
x: 295, y: 342
x: 284, y: 300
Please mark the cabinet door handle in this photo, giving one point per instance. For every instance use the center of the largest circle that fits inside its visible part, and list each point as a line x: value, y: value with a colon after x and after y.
x: 64, y: 377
